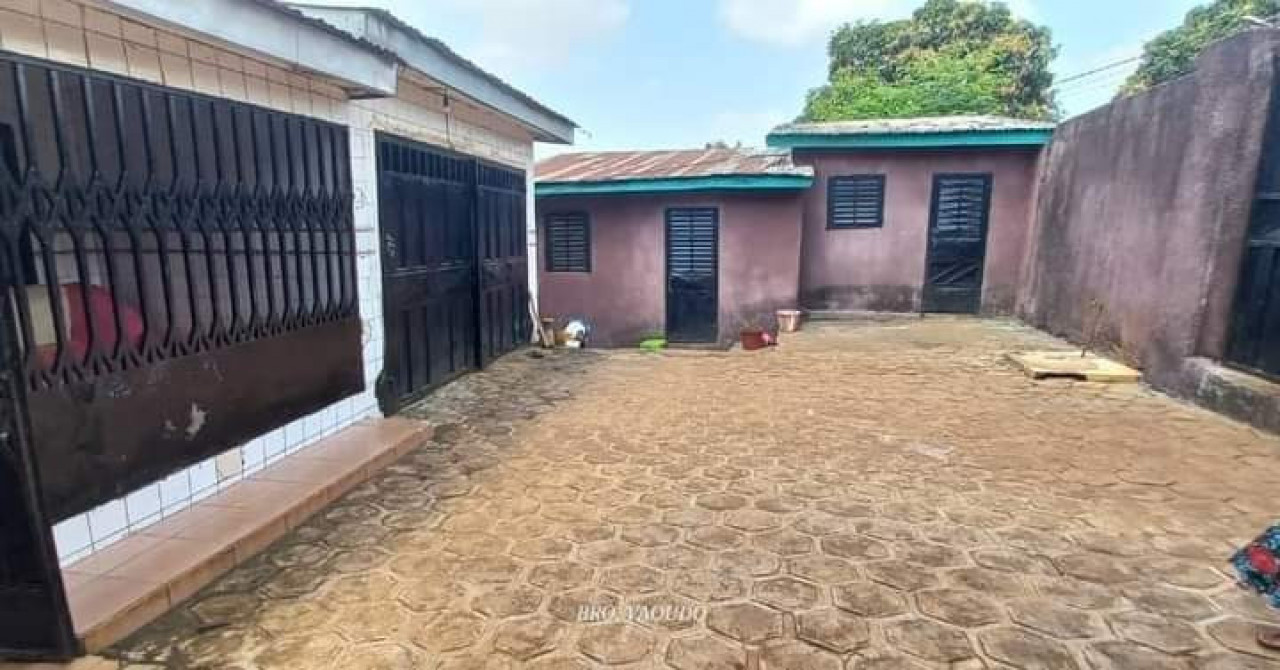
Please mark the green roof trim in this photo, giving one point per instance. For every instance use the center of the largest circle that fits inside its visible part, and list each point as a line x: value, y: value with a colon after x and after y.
x: 973, y: 138
x: 763, y: 182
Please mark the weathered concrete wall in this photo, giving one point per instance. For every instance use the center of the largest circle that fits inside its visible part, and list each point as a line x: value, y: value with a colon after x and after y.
x: 624, y: 295
x: 882, y: 269
x: 1142, y: 214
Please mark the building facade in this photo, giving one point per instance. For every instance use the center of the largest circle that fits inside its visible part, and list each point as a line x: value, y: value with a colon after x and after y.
x: 923, y: 215
x: 210, y: 213
x: 689, y: 245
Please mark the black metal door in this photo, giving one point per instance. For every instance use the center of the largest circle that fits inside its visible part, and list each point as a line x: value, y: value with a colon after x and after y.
x: 503, y: 251
x: 957, y: 243
x: 1255, y: 328
x: 454, y: 265
x: 693, y: 274
x: 426, y: 209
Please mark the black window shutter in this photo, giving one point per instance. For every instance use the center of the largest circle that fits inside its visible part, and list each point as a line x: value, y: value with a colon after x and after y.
x: 568, y: 243
x: 855, y: 201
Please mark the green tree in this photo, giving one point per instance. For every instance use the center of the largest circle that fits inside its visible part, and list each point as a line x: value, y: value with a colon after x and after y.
x: 950, y: 57
x: 1173, y: 53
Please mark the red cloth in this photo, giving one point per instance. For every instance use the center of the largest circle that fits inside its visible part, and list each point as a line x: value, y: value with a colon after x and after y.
x: 102, y: 311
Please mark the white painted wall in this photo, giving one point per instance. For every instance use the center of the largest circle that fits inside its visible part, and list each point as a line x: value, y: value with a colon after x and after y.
x: 89, y: 35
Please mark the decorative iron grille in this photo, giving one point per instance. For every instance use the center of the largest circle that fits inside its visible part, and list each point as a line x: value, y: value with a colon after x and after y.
x: 146, y: 224
x: 34, y: 619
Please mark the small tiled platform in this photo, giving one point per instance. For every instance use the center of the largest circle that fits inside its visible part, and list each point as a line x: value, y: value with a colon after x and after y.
x: 1073, y: 365
x: 121, y: 588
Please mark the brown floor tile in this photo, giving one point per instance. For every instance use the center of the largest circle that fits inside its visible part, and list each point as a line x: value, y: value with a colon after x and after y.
x: 170, y: 558
x: 99, y: 600
x: 303, y: 469
x: 258, y: 494
x: 102, y: 562
x: 209, y: 522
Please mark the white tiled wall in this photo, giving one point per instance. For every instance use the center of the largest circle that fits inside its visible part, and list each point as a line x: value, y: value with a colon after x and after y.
x: 89, y: 35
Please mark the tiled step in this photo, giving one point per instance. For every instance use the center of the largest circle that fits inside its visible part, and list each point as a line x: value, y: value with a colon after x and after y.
x: 118, y: 590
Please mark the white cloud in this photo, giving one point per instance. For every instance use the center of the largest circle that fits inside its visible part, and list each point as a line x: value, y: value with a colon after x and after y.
x: 535, y: 34
x: 782, y: 23
x: 790, y: 23
x: 509, y: 35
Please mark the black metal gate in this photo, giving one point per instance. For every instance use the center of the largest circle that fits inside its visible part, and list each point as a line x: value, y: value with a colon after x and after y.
x: 1255, y: 328
x: 454, y: 266
x: 34, y: 619
x: 957, y: 243
x: 178, y: 278
x: 693, y: 259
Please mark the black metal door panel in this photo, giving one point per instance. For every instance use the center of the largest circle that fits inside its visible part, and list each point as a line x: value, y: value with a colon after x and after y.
x: 1254, y: 341
x: 957, y: 243
x: 693, y: 274
x: 425, y: 204
x: 503, y: 251
x: 453, y: 258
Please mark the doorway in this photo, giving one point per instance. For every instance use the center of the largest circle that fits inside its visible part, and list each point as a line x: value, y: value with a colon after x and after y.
x: 693, y: 261
x: 957, y: 248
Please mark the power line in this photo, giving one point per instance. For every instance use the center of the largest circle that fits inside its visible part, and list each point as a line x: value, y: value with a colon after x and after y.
x: 1085, y: 84
x: 1114, y: 75
x: 1098, y: 70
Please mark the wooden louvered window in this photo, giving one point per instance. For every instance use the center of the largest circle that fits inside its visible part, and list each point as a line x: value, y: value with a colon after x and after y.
x: 855, y: 201
x: 568, y: 243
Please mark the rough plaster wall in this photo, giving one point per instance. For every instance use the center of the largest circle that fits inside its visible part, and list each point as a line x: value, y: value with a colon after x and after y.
x: 89, y: 35
x: 624, y: 295
x: 882, y: 269
x: 1143, y: 206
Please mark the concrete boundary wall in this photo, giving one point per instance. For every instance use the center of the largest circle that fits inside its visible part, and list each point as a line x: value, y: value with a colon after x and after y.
x: 1142, y: 212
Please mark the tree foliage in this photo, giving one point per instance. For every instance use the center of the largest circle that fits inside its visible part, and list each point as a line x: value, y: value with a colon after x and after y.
x: 1172, y: 53
x: 950, y: 57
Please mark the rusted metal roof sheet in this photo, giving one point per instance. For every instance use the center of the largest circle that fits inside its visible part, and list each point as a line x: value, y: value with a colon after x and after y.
x: 651, y: 165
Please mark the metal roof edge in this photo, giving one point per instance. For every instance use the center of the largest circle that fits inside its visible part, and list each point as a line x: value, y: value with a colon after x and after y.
x: 760, y: 182
x: 275, y: 30
x: 912, y: 140
x: 435, y: 59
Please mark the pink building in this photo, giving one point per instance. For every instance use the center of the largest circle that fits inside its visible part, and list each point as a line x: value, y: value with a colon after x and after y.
x: 912, y: 215
x: 692, y: 244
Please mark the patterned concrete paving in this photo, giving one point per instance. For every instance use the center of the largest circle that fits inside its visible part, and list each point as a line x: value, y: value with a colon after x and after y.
x: 869, y: 496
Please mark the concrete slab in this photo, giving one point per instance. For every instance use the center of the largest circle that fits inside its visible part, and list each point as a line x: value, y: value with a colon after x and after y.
x: 1071, y: 365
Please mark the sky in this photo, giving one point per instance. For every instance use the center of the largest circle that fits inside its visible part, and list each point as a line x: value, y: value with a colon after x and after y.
x: 657, y: 74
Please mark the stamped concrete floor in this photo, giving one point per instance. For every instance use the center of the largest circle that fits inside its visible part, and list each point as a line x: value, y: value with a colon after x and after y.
x: 887, y: 495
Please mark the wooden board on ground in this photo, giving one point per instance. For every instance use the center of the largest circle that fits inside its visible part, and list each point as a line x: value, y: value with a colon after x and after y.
x: 1071, y: 365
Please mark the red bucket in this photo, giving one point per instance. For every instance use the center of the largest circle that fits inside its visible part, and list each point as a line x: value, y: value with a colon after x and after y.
x: 753, y: 340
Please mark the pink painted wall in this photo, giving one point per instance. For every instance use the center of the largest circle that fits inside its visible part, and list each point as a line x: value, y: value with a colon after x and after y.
x: 1143, y: 218
x: 624, y: 295
x: 882, y: 269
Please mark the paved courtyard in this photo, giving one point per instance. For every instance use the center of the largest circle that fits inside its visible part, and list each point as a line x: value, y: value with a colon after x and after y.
x: 870, y: 496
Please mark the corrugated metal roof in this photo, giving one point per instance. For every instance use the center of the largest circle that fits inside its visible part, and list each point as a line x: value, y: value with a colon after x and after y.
x: 430, y: 42
x: 693, y: 163
x: 293, y: 13
x: 921, y: 126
